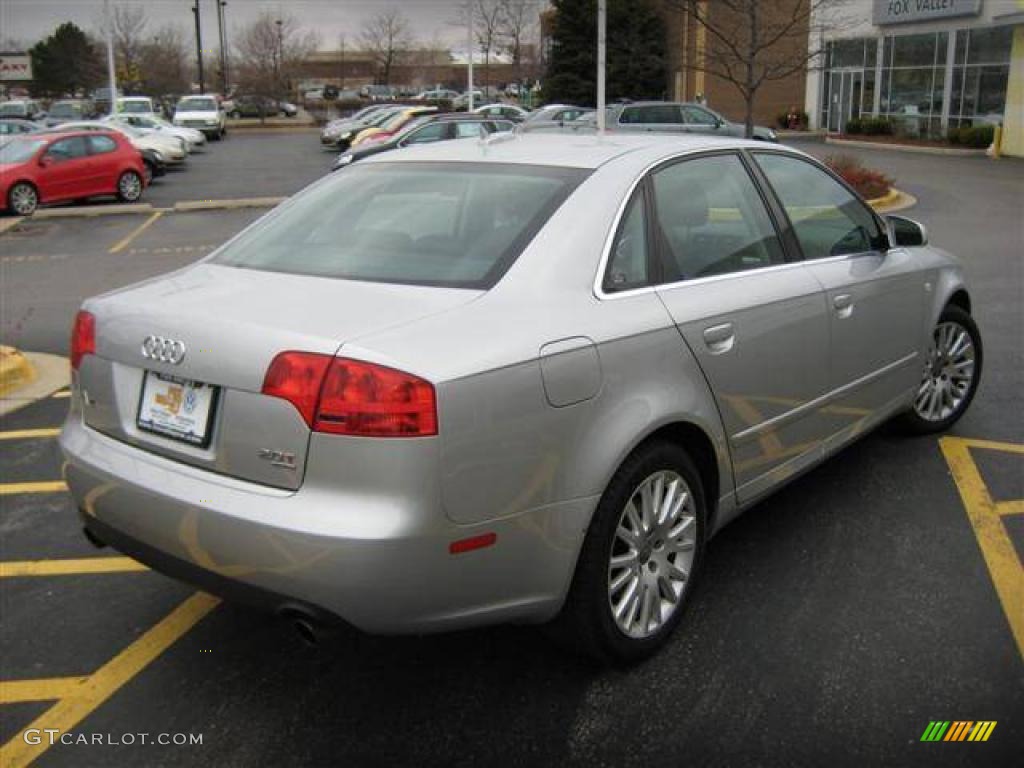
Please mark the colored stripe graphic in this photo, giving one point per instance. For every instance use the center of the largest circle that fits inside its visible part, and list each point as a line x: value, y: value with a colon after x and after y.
x: 935, y: 730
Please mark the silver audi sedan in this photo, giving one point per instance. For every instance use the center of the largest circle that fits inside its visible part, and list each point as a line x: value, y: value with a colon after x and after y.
x: 518, y: 379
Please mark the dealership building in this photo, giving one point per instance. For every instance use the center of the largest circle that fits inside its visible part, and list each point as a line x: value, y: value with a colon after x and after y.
x: 928, y: 65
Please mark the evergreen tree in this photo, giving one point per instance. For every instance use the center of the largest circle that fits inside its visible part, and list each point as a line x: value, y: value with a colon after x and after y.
x: 65, y: 62
x: 635, y: 56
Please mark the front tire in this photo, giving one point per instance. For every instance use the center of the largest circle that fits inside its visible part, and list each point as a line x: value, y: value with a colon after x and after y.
x: 22, y: 199
x: 129, y: 187
x: 639, y: 560
x: 951, y: 374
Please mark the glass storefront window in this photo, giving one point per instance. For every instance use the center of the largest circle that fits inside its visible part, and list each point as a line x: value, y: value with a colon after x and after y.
x: 848, y: 53
x: 914, y: 50
x: 911, y: 91
x: 940, y: 49
x: 984, y: 90
x: 990, y: 46
x: 868, y: 101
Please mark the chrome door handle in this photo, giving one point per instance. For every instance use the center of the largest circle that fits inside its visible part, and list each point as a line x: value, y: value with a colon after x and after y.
x: 843, y: 304
x: 720, y: 338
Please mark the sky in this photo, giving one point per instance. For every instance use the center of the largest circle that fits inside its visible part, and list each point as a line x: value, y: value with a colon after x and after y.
x: 27, y: 21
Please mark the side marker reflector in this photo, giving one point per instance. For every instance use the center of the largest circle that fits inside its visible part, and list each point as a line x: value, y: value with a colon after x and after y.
x: 473, y: 542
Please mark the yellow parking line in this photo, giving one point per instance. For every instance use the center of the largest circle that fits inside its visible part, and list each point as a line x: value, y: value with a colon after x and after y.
x: 104, y: 682
x: 997, y: 549
x: 1015, y: 507
x: 125, y: 242
x: 62, y: 393
x: 49, y: 689
x: 55, y: 486
x: 14, y: 568
x: 26, y: 434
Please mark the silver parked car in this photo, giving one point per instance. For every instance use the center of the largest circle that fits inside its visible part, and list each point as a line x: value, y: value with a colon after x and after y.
x: 521, y: 379
x: 669, y: 117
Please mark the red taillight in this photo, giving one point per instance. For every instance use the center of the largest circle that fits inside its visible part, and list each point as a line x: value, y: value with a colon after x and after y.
x: 83, y: 338
x: 297, y: 378
x: 350, y: 397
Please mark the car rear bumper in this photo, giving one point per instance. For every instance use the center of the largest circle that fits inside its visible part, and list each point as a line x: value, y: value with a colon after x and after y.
x: 381, y: 564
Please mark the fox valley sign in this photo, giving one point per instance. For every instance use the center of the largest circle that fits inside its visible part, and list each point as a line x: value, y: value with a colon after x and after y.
x: 904, y: 11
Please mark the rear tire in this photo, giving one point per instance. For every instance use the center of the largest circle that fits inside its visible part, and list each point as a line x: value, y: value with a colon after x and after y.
x: 636, y: 570
x: 129, y: 187
x: 952, y: 371
x: 22, y: 199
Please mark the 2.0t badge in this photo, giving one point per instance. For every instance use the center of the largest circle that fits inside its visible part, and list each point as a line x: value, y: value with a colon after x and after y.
x: 164, y: 350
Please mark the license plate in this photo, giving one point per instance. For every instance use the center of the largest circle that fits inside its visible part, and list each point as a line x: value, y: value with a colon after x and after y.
x: 177, y: 408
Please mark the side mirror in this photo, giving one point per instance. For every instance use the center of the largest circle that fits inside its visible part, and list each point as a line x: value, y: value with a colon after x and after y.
x: 45, y: 161
x: 905, y: 232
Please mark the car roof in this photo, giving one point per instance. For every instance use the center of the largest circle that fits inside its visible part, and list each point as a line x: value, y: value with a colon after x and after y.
x: 568, y: 150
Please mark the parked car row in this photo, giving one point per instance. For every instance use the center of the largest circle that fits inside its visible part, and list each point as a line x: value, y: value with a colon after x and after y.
x: 71, y: 154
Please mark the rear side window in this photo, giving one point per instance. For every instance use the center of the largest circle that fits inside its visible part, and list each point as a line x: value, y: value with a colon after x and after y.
x: 441, y: 224
x: 468, y: 130
x: 711, y: 219
x: 627, y: 262
x: 102, y: 144
x: 827, y: 219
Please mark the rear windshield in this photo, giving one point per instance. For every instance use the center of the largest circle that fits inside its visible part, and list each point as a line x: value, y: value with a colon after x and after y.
x: 135, y: 107
x: 66, y: 110
x: 459, y: 225
x: 13, y: 108
x: 19, y: 150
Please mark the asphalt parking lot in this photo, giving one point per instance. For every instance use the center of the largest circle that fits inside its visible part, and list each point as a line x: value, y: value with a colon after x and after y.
x: 835, y: 621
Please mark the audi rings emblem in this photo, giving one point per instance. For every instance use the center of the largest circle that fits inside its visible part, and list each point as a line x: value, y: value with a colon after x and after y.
x: 165, y: 350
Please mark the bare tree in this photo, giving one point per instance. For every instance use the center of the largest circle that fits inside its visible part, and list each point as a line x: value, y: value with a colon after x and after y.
x: 488, y: 27
x: 386, y: 37
x: 270, y: 51
x: 128, y: 25
x: 519, y: 21
x: 164, y: 62
x: 753, y: 42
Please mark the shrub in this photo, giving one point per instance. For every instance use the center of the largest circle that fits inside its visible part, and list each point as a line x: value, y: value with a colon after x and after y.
x: 869, y: 183
x: 854, y: 125
x: 876, y: 126
x: 976, y: 136
x: 953, y: 136
x: 782, y: 119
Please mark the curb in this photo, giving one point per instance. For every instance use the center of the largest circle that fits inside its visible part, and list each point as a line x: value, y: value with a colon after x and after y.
x: 906, y: 148
x: 214, y: 205
x: 73, y: 211
x: 15, y: 371
x: 49, y: 374
x: 896, y: 200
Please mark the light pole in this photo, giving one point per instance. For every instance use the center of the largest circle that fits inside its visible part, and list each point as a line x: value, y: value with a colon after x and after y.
x: 469, y: 50
x: 280, y: 58
x: 199, y: 47
x: 222, y: 28
x: 111, y: 75
x: 601, y: 24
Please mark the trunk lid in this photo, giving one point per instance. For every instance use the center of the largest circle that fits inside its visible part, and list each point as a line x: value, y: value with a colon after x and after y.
x: 231, y: 323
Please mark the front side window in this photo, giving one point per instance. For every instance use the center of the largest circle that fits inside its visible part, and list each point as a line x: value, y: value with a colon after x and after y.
x: 827, y: 218
x: 428, y: 134
x: 627, y: 262
x: 712, y: 220
x: 698, y: 116
x: 457, y: 225
x: 68, y: 149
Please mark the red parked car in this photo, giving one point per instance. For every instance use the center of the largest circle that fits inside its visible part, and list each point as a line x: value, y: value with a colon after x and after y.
x: 53, y: 167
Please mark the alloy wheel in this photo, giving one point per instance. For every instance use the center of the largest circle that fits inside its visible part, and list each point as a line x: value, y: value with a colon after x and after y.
x: 130, y: 187
x: 948, y: 373
x: 23, y: 199
x: 652, y: 554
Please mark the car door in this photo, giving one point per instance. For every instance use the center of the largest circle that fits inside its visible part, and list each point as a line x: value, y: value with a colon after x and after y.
x: 105, y: 169
x: 67, y: 170
x: 697, y: 120
x: 876, y: 295
x: 755, y: 320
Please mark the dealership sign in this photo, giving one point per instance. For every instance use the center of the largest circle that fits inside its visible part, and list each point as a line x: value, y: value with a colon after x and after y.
x: 904, y: 11
x: 15, y: 67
